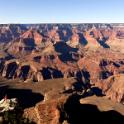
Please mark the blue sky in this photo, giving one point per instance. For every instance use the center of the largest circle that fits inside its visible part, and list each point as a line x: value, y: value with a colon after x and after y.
x: 61, y: 11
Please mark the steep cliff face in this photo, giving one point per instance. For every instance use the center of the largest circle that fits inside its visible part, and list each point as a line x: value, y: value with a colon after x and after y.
x: 113, y: 87
x: 33, y: 34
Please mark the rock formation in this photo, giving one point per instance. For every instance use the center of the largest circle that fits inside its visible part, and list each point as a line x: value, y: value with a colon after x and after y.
x: 92, y: 54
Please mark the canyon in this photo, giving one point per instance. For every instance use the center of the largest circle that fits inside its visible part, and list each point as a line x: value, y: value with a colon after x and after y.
x: 64, y: 64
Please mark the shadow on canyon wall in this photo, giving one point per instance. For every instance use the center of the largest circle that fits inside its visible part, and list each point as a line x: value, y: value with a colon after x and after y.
x: 84, y: 113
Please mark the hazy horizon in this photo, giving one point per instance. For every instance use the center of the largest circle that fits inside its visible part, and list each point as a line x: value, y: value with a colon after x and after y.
x: 64, y: 11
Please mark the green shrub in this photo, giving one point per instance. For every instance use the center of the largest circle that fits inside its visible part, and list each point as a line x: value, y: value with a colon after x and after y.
x: 15, y: 117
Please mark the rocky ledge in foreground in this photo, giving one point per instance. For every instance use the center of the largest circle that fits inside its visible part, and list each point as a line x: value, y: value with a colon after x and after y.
x: 64, y: 101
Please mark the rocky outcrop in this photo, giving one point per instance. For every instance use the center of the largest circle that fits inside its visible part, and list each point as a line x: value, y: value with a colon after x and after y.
x: 103, y: 104
x: 33, y: 34
x: 13, y: 69
x: 74, y: 41
x: 92, y: 42
x: 51, y: 109
x: 113, y: 88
